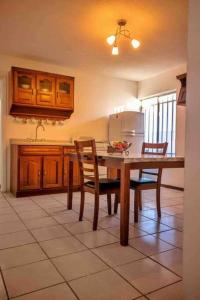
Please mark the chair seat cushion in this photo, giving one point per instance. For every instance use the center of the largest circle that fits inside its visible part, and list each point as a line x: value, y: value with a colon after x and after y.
x: 134, y: 182
x: 104, y: 183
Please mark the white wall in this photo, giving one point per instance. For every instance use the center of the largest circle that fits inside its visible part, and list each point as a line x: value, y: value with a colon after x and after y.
x: 1, y: 97
x: 95, y: 98
x: 192, y: 166
x: 161, y: 83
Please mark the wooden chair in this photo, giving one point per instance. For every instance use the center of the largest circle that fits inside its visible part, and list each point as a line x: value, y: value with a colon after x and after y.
x: 88, y: 168
x: 145, y: 183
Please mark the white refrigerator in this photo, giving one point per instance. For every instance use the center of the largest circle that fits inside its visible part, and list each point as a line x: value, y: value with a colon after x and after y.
x: 127, y: 126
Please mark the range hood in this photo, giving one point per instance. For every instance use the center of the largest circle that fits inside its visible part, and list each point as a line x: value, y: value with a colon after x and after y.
x: 182, y: 94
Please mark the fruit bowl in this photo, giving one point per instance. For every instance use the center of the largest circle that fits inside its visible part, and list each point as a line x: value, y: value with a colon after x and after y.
x: 119, y: 147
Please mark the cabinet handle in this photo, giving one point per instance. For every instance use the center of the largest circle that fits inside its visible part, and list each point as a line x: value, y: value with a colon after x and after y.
x: 45, y: 173
x: 39, y: 173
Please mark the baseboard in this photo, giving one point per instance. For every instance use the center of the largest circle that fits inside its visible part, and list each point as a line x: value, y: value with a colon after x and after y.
x: 172, y: 187
x: 43, y: 192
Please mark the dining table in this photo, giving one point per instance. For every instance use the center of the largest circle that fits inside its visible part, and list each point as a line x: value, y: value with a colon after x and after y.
x: 124, y: 163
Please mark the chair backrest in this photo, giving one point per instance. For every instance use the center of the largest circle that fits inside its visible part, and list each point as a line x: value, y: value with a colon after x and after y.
x: 87, y: 160
x: 154, y: 149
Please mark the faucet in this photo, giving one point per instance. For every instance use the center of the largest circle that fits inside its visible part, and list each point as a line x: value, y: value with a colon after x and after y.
x: 36, y: 131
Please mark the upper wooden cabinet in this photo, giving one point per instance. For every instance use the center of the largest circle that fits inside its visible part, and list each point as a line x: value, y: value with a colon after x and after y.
x: 24, y: 88
x: 45, y: 90
x: 41, y: 95
x: 65, y: 92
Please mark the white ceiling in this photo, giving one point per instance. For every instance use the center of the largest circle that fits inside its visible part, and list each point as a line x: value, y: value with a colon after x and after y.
x: 72, y: 33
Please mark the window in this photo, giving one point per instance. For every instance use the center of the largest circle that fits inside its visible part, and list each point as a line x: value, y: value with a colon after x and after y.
x: 160, y: 120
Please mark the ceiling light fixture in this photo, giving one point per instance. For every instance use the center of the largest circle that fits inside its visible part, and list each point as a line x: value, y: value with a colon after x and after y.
x: 121, y: 31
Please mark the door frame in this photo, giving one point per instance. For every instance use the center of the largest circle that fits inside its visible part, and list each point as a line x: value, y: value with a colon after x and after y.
x: 3, y: 134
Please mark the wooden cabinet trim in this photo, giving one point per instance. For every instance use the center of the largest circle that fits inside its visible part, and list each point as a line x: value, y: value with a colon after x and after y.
x: 69, y: 149
x: 13, y: 68
x: 41, y: 150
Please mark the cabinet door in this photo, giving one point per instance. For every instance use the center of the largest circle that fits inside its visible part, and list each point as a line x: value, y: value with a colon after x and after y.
x: 30, y: 173
x: 52, y: 171
x: 113, y: 173
x: 76, y: 177
x: 24, y: 88
x: 65, y: 93
x: 45, y: 90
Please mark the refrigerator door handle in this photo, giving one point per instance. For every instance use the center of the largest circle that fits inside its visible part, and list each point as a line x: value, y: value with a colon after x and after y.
x: 128, y: 132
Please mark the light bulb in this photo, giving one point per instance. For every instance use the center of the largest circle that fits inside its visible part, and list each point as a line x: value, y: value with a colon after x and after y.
x: 135, y: 43
x: 110, y: 40
x: 115, y: 50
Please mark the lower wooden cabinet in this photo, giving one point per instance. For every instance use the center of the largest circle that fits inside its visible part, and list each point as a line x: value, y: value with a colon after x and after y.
x: 52, y: 172
x: 66, y: 171
x: 30, y: 173
x: 41, y: 169
x: 76, y: 177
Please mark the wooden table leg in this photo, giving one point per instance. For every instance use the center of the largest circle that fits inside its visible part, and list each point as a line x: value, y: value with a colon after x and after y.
x: 70, y: 185
x: 124, y: 204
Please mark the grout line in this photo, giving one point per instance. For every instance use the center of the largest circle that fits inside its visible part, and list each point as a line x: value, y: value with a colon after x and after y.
x: 180, y: 248
x: 27, y: 243
x: 109, y: 267
x: 41, y: 289
x: 130, y: 238
x: 154, y: 253
x: 163, y: 287
x: 4, y: 284
x: 87, y: 248
x: 181, y: 277
x: 25, y: 264
x: 49, y: 261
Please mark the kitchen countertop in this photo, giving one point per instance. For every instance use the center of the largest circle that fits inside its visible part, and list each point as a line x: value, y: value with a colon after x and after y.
x: 100, y: 144
x: 40, y: 142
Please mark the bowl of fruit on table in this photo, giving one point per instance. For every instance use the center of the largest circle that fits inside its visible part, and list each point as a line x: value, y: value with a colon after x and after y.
x: 119, y: 147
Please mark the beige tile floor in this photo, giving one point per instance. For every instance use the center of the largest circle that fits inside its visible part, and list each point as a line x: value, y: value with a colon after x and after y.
x: 46, y: 253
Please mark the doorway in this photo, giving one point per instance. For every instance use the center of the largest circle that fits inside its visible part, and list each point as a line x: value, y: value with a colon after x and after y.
x: 3, y: 160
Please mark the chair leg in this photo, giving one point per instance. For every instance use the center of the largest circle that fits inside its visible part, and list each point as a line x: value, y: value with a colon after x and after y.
x: 82, y: 205
x: 158, y: 201
x: 109, y: 204
x: 136, y: 206
x: 116, y: 203
x: 96, y: 212
x: 140, y: 200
